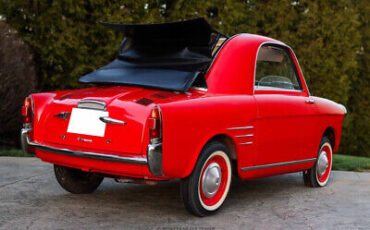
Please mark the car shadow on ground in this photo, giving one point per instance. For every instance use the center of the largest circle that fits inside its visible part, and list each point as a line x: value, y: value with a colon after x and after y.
x: 165, y: 199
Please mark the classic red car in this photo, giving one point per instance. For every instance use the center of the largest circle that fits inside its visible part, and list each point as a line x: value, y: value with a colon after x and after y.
x: 175, y: 104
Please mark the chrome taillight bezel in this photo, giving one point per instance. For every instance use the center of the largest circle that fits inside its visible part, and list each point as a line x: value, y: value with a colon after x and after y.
x: 155, y: 125
x: 28, y: 112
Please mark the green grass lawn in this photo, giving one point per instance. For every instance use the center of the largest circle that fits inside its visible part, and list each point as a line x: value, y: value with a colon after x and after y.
x: 351, y: 163
x: 340, y: 162
x: 12, y: 153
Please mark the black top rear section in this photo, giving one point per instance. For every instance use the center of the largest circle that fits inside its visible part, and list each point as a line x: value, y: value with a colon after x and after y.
x: 167, y: 55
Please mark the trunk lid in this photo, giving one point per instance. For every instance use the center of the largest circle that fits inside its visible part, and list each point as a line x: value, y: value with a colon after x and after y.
x: 129, y: 104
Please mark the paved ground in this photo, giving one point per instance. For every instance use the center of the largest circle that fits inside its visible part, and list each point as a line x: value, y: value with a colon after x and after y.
x: 30, y: 198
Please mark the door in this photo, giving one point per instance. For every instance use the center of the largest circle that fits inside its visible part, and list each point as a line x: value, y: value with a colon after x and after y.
x: 284, y: 112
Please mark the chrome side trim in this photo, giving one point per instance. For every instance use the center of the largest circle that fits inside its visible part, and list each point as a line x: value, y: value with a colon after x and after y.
x: 262, y: 88
x: 277, y: 164
x: 236, y: 128
x: 247, y: 135
x: 246, y: 143
x: 93, y: 155
x: 154, y: 155
x: 110, y: 120
x: 92, y: 104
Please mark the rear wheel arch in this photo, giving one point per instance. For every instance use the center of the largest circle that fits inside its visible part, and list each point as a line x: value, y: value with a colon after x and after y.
x: 194, y: 155
x: 227, y: 141
x: 224, y: 139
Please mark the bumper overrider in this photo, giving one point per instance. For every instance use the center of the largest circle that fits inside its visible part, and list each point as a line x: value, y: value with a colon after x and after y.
x: 153, y: 159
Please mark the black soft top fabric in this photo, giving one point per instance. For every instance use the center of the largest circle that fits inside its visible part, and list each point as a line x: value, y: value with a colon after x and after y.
x: 167, y: 55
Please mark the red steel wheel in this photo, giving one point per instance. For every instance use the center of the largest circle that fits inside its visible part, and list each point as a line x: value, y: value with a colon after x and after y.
x: 206, y: 189
x: 214, y: 181
x: 324, y: 162
x: 319, y: 174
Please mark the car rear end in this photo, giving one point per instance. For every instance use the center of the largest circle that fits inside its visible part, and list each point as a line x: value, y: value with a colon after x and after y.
x: 113, y: 130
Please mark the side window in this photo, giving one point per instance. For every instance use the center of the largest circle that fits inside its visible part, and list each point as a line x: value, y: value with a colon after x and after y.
x: 276, y: 70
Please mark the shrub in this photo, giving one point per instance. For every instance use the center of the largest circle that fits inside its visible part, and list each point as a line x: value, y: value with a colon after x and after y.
x: 17, y: 80
x: 329, y: 37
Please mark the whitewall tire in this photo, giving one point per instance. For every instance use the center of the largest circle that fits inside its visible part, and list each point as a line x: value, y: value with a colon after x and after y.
x: 205, y: 190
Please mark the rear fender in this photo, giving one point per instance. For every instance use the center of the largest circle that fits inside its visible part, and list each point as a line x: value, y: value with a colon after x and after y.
x: 199, y: 147
x: 40, y: 102
x: 189, y: 125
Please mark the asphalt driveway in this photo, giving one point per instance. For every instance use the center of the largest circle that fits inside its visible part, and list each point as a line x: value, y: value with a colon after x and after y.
x: 30, y: 198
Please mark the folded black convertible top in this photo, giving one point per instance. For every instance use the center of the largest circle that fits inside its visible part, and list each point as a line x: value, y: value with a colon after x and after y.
x: 164, y: 55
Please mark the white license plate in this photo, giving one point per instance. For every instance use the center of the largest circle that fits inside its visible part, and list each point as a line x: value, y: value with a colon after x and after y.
x: 86, y: 121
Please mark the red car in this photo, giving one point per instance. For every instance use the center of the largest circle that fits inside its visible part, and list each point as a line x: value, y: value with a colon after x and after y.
x: 182, y: 101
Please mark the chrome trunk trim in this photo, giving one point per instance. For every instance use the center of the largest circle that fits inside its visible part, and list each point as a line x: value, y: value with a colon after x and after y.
x: 92, y: 104
x: 277, y: 164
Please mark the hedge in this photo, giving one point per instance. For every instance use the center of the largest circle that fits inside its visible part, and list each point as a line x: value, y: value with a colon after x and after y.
x: 17, y: 80
x: 330, y: 38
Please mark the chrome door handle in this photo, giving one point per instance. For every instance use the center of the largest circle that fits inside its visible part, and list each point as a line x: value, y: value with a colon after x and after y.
x: 110, y: 120
x: 310, y: 101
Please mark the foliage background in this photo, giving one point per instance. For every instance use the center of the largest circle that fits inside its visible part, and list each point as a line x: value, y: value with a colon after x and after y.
x: 17, y: 79
x: 330, y: 38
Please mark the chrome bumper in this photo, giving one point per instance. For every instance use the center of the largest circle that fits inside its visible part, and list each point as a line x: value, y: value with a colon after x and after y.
x: 26, y: 143
x: 153, y: 160
x: 24, y: 140
x: 154, y: 155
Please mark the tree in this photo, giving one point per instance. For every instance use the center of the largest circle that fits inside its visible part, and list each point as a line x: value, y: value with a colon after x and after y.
x: 17, y: 80
x: 356, y: 139
x: 66, y: 36
x: 330, y: 38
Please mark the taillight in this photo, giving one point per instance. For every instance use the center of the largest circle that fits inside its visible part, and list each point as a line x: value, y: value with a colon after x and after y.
x: 155, y: 125
x: 27, y: 111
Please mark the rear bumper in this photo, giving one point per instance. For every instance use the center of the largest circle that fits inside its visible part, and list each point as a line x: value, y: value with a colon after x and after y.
x: 24, y: 140
x: 153, y: 159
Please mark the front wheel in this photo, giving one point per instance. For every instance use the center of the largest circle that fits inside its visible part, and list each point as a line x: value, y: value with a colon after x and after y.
x: 206, y: 189
x: 77, y: 181
x: 319, y: 174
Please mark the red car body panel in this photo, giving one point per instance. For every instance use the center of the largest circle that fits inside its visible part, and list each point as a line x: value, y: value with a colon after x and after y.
x: 283, y: 125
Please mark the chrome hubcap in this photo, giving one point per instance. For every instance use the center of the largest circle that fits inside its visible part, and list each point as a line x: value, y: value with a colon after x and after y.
x: 322, y: 163
x: 211, y: 180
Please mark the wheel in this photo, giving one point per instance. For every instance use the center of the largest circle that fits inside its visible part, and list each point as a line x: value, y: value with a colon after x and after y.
x: 205, y: 190
x: 77, y: 181
x: 318, y: 175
